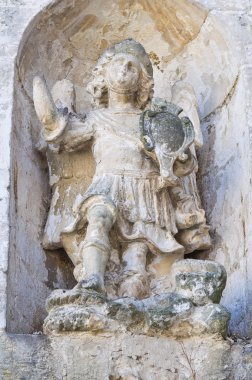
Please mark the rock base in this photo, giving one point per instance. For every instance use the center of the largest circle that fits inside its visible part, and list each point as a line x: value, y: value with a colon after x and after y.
x: 190, y: 309
x: 168, y: 314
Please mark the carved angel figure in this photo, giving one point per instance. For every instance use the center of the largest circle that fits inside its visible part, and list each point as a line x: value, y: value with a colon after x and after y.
x: 128, y: 200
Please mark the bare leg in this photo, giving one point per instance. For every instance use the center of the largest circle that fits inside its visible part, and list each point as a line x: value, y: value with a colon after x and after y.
x: 71, y: 246
x: 95, y: 249
x: 134, y: 277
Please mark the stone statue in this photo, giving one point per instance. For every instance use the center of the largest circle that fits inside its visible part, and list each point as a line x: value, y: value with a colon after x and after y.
x: 190, y: 217
x: 142, y: 197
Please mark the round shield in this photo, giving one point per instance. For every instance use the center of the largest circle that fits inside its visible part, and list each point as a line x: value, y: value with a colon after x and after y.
x: 162, y: 128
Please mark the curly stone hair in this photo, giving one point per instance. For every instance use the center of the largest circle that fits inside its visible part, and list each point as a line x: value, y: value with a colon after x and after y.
x: 97, y: 87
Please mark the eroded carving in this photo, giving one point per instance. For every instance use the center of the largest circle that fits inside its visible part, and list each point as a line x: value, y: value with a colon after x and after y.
x: 190, y: 308
x: 142, y: 199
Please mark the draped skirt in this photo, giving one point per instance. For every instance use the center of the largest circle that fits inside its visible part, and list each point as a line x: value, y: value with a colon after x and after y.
x: 143, y: 213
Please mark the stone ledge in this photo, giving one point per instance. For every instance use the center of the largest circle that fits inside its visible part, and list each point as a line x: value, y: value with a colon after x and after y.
x: 112, y: 357
x: 124, y: 356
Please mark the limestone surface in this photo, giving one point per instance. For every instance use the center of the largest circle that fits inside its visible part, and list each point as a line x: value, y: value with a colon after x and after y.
x: 200, y: 281
x: 122, y: 356
x: 169, y: 315
x: 64, y: 39
x: 132, y: 192
x: 45, y: 49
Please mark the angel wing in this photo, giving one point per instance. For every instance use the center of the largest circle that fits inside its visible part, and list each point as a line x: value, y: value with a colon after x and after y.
x: 183, y: 95
x: 190, y: 216
x: 70, y: 174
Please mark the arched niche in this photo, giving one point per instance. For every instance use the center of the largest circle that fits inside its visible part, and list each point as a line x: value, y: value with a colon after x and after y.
x: 64, y: 41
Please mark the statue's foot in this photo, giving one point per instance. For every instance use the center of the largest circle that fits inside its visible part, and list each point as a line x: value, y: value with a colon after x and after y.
x: 133, y: 285
x: 94, y: 282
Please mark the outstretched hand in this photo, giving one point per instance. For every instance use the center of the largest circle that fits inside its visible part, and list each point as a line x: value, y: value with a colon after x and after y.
x: 52, y: 119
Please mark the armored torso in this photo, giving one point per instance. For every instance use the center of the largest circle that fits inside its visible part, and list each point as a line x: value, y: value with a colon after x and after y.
x: 117, y: 146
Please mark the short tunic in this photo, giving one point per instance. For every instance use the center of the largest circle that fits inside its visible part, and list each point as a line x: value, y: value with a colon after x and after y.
x: 127, y: 178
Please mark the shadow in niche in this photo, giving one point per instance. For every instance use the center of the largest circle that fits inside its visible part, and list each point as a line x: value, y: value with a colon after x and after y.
x: 60, y: 275
x: 65, y: 42
x: 59, y: 261
x: 199, y: 255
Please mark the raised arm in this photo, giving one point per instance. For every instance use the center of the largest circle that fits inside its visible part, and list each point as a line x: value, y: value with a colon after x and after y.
x: 60, y: 128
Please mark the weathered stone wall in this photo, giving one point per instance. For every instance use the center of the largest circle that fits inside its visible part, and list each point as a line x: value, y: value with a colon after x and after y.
x: 15, y: 17
x: 65, y: 41
x: 127, y: 357
x: 225, y: 174
x: 210, y: 46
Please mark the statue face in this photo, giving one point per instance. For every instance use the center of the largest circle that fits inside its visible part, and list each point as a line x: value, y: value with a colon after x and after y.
x: 123, y: 73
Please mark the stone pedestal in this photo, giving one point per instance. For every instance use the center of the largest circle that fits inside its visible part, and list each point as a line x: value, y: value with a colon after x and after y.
x: 109, y: 356
x: 122, y: 356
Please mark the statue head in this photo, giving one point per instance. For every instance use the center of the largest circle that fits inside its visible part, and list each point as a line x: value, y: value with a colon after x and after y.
x: 123, y: 68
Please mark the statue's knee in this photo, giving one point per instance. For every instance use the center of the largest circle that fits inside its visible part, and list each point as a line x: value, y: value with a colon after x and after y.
x: 102, y: 214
